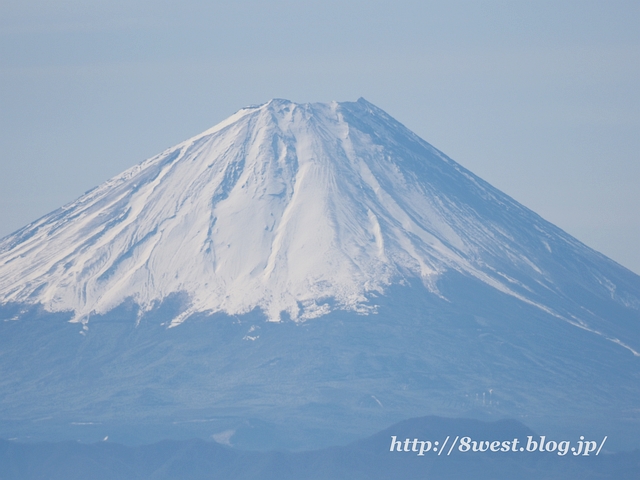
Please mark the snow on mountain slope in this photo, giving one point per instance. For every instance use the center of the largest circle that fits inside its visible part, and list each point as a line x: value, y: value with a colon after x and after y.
x: 295, y: 209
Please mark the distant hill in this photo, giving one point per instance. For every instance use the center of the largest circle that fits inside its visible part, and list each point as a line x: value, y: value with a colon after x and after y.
x: 365, y: 459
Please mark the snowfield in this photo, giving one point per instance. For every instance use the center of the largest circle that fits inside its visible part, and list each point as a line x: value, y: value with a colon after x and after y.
x: 293, y: 209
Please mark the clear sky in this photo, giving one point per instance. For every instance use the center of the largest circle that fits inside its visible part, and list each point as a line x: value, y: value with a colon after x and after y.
x: 540, y: 98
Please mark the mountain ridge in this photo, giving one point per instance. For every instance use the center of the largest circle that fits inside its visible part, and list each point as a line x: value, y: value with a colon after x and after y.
x: 368, y: 458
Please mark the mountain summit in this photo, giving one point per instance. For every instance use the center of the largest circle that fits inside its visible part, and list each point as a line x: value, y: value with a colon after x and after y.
x: 437, y: 293
x: 295, y: 209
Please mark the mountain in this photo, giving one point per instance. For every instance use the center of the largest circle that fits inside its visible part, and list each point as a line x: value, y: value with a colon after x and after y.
x: 302, y: 274
x: 369, y: 458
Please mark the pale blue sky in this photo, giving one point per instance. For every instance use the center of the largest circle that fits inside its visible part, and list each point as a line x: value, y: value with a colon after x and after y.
x: 541, y: 99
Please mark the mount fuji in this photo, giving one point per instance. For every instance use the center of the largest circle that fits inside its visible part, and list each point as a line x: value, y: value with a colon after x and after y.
x: 301, y: 275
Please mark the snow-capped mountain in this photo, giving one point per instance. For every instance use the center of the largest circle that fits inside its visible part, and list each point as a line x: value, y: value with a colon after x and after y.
x: 288, y: 208
x: 390, y: 277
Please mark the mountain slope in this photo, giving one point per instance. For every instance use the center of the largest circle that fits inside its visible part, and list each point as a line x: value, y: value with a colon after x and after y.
x: 301, y: 275
x: 299, y: 209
